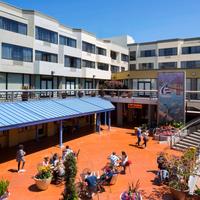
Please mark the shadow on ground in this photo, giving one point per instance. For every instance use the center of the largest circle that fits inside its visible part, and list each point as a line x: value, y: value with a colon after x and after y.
x: 43, y: 143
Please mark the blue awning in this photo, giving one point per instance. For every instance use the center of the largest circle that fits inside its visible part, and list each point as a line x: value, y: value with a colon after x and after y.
x: 20, y: 114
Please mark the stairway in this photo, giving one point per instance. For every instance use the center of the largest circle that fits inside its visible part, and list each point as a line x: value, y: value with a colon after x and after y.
x: 191, y: 140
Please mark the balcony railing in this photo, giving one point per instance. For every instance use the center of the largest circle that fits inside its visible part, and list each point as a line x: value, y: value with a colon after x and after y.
x: 37, y: 94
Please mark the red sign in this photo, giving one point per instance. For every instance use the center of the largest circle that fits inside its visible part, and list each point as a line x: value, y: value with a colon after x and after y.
x: 135, y: 105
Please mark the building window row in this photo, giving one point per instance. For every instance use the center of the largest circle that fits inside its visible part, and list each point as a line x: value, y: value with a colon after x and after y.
x: 114, y: 68
x: 88, y: 47
x: 12, y: 25
x: 191, y: 50
x: 88, y: 64
x: 73, y: 62
x: 190, y: 64
x: 45, y: 56
x: 18, y: 53
x: 148, y: 53
x: 67, y: 41
x: 100, y: 51
x: 46, y: 35
x: 124, y: 57
x: 103, y: 66
x: 143, y: 66
x: 167, y: 65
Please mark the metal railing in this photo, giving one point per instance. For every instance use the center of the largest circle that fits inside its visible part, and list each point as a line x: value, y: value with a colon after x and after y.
x: 17, y: 95
x: 189, y: 128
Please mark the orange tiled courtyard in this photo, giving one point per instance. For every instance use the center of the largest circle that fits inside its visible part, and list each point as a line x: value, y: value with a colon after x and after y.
x: 94, y: 150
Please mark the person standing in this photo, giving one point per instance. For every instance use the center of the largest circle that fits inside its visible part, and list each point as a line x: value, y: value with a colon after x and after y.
x: 124, y: 162
x: 139, y: 136
x: 145, y: 138
x: 20, y: 158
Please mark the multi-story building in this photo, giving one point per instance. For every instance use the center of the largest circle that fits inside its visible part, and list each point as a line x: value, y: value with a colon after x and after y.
x: 146, y: 60
x: 39, y: 52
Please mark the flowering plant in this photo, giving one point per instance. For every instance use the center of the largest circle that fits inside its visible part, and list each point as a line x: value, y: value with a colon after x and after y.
x: 132, y: 193
x: 44, y: 172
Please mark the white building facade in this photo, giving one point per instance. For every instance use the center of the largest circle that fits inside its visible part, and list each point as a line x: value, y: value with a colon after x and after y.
x: 39, y: 52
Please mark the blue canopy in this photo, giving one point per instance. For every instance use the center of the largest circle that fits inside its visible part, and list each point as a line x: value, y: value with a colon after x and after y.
x: 20, y: 114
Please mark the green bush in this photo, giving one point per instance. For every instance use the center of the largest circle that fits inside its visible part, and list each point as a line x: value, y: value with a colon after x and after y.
x: 70, y: 175
x: 3, y: 186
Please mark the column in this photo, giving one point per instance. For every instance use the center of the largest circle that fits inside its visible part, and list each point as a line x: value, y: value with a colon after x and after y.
x: 119, y: 114
x: 105, y: 118
x: 149, y: 115
x: 36, y: 134
x: 109, y: 120
x: 98, y: 123
x: 61, y: 134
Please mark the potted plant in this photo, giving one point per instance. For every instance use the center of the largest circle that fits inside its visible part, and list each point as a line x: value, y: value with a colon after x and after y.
x: 180, y: 170
x: 80, y: 94
x: 93, y: 94
x: 24, y: 93
x: 130, y: 94
x: 196, y: 195
x: 43, y: 177
x: 70, y: 164
x: 132, y: 193
x: 4, y: 193
x: 64, y: 95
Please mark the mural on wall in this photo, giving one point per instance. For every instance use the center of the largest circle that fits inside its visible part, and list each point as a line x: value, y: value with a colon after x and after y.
x: 171, y: 97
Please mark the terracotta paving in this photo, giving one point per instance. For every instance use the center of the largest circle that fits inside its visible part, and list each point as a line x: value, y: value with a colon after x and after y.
x: 94, y: 149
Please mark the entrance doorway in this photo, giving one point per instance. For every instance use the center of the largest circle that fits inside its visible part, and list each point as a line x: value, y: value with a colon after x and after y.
x: 46, y: 83
x: 144, y: 85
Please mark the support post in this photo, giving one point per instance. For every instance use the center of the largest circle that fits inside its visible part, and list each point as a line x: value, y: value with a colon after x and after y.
x: 36, y: 135
x: 61, y: 134
x: 98, y: 123
x: 109, y: 121
x: 105, y: 118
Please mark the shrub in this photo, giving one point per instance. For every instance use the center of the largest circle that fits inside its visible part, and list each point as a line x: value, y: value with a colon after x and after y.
x: 44, y: 172
x: 70, y: 175
x: 3, y: 186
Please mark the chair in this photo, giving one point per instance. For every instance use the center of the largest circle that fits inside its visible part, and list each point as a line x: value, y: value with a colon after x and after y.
x: 113, y: 179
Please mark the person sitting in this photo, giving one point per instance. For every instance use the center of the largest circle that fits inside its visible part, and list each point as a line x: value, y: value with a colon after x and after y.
x: 46, y: 161
x: 66, y: 152
x: 59, y: 171
x: 114, y: 159
x: 124, y: 162
x: 91, y: 181
x: 163, y: 176
x: 106, y: 177
x: 161, y: 161
x: 54, y: 160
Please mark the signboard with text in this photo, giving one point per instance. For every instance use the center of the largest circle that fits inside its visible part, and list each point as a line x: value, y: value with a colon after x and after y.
x: 135, y: 105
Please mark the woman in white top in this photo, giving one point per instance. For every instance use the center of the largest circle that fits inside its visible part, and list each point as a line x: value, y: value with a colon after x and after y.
x: 124, y: 162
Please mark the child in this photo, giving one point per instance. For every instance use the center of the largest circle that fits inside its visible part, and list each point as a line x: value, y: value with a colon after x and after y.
x: 20, y: 158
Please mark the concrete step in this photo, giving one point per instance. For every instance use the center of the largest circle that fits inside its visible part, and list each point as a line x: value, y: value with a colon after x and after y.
x: 195, y: 133
x: 191, y: 139
x: 183, y: 146
x: 187, y: 141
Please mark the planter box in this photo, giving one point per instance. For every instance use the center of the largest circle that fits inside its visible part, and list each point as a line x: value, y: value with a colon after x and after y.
x: 24, y: 96
x: 178, y: 195
x: 162, y: 138
x: 42, y: 184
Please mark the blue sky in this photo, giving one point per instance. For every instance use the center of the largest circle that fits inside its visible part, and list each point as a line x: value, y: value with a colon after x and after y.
x: 144, y: 20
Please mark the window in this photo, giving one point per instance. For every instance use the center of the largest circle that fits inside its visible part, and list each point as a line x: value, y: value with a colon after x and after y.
x: 67, y: 41
x: 100, y: 51
x: 122, y: 69
x: 88, y: 47
x: 46, y: 35
x: 88, y: 64
x: 190, y: 64
x: 146, y: 66
x: 70, y: 84
x: 148, y: 53
x: 14, y: 52
x: 168, y: 52
x: 113, y: 55
x: 167, y: 65
x: 14, y: 26
x: 132, y: 67
x: 103, y: 66
x: 72, y: 62
x: 114, y: 68
x: 124, y: 57
x: 132, y: 55
x: 45, y: 56
x: 191, y: 50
